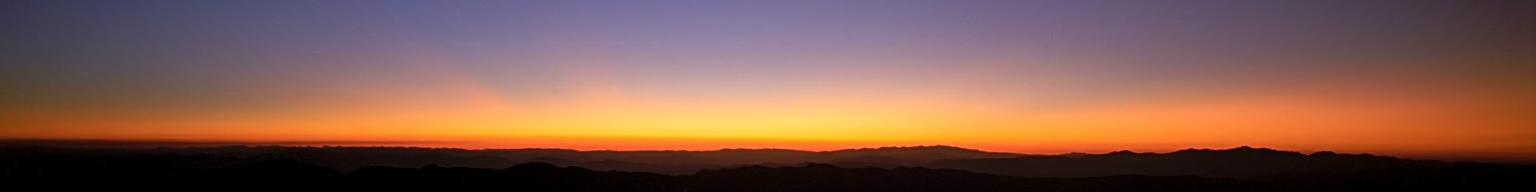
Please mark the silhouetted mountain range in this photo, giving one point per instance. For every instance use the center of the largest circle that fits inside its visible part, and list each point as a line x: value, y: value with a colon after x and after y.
x: 921, y: 168
x: 1241, y: 162
x: 285, y: 174
x: 667, y: 162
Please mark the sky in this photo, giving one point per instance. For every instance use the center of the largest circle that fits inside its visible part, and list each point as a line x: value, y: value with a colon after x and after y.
x: 1440, y: 79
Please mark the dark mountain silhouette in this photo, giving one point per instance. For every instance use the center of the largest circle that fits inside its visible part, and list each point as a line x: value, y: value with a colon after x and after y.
x: 667, y: 162
x: 286, y: 174
x: 920, y: 168
x: 1240, y: 162
x: 916, y: 155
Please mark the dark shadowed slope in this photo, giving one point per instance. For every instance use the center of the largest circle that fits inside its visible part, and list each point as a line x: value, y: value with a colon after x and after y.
x: 1241, y: 162
x: 915, y: 155
x: 668, y: 162
x: 284, y: 174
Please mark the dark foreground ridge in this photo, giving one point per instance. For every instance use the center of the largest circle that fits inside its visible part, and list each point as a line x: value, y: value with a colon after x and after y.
x: 1190, y: 170
x: 291, y: 174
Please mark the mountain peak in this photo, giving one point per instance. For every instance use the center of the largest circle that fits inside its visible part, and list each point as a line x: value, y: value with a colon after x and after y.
x: 915, y: 148
x: 1122, y: 152
x: 921, y: 152
x: 1243, y: 148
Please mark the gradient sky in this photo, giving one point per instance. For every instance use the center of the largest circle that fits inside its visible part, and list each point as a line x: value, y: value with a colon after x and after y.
x: 1450, y: 79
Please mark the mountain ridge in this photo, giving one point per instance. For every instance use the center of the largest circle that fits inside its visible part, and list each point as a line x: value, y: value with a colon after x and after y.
x: 277, y: 174
x: 1236, y: 162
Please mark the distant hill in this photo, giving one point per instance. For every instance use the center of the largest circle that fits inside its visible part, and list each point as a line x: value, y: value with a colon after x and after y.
x: 169, y: 173
x: 668, y: 162
x: 911, y: 155
x: 1242, y: 162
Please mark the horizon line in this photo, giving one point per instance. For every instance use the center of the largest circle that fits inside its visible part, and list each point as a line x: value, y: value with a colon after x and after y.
x: 423, y: 144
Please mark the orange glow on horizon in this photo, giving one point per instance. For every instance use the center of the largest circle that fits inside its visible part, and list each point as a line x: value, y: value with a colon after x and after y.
x: 1417, y: 80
